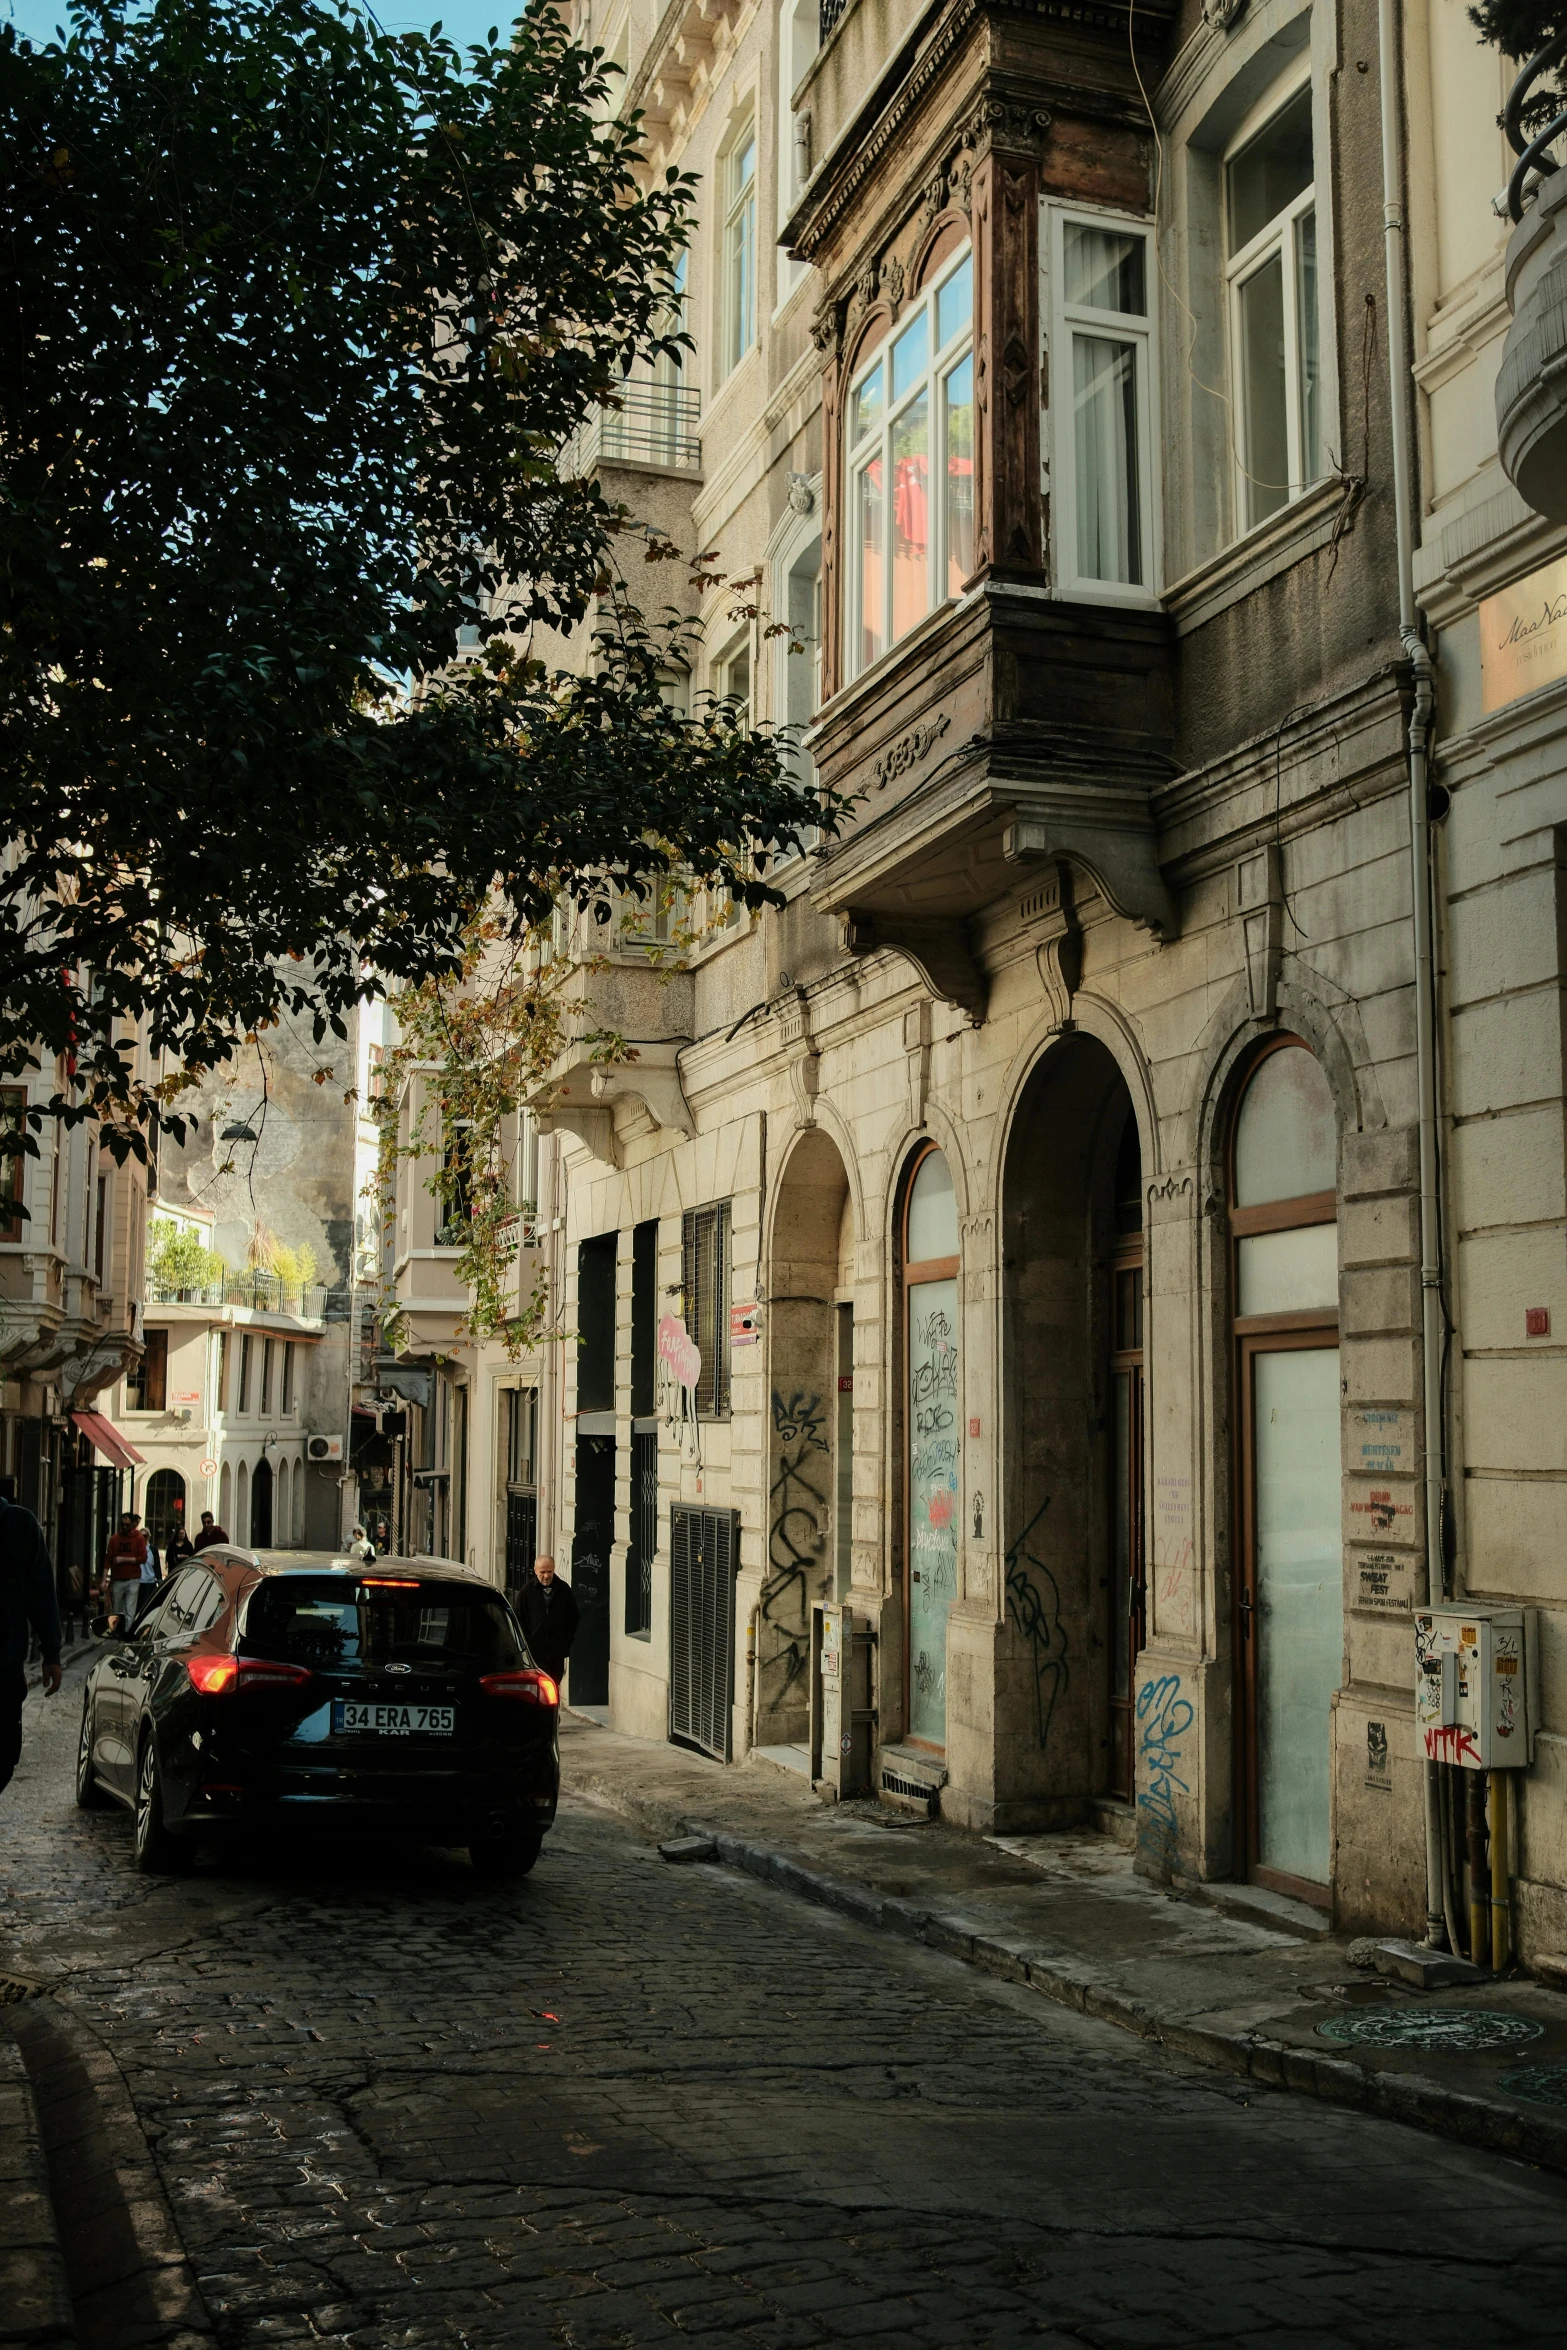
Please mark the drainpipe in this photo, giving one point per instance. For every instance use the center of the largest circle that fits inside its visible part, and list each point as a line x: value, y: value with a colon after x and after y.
x: 1395, y: 254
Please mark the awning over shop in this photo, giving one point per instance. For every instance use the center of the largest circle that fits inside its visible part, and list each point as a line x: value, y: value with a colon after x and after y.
x: 107, y: 1440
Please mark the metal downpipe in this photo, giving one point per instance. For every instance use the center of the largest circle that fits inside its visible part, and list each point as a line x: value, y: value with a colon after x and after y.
x: 1395, y: 258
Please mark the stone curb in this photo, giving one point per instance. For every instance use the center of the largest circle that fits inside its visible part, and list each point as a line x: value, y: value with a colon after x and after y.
x: 35, y: 2299
x: 129, y: 2279
x: 1251, y: 2056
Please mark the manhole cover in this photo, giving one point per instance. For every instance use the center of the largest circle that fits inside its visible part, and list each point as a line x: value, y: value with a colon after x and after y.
x: 1541, y: 2084
x: 1461, y: 2030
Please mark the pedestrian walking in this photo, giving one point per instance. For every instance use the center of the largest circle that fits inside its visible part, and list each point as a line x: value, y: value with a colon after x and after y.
x: 548, y: 1610
x: 178, y: 1548
x: 208, y: 1532
x: 129, y: 1564
x: 360, y: 1546
x: 28, y: 1606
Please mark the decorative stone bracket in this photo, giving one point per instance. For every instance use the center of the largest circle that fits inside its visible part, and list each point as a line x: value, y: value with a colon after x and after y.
x: 1121, y: 860
x: 1259, y: 900
x: 939, y: 952
x: 582, y: 1102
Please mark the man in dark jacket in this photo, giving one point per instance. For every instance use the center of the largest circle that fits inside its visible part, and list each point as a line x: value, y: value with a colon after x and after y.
x: 27, y: 1605
x: 548, y: 1613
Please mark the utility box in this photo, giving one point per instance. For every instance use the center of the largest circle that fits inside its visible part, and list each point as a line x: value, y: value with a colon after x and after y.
x: 843, y: 1718
x: 1476, y: 1701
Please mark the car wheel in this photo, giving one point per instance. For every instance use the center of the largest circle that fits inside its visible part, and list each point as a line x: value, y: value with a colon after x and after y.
x: 89, y: 1795
x: 510, y: 1854
x: 157, y: 1852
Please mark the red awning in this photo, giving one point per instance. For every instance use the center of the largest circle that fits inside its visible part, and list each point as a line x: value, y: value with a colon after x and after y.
x: 107, y: 1440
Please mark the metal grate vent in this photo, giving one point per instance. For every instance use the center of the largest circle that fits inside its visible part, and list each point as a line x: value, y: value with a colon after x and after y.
x: 911, y: 1790
x: 703, y: 1556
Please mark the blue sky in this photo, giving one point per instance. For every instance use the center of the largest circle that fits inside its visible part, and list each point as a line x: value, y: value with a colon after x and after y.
x: 463, y: 20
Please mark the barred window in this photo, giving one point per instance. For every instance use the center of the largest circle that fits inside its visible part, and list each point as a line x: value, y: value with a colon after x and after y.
x: 704, y: 1279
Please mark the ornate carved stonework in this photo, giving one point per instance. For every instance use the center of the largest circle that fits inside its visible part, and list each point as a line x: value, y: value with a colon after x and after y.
x: 802, y: 498
x: 908, y: 751
x: 892, y: 282
x: 1222, y: 14
x: 935, y: 195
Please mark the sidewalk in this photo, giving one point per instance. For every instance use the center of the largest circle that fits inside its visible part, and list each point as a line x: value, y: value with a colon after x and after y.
x: 1280, y: 2004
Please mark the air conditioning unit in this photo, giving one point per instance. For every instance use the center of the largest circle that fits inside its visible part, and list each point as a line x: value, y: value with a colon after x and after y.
x: 323, y: 1448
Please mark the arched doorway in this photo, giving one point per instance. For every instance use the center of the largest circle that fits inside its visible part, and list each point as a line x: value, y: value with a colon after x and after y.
x: 810, y: 1339
x: 261, y: 1506
x: 928, y: 1254
x: 1289, y: 1585
x: 1074, y: 1515
x: 282, y: 1533
x: 226, y: 1499
x: 163, y: 1505
x: 240, y: 1530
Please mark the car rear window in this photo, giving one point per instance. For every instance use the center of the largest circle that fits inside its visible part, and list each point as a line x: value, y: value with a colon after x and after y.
x: 325, y: 1620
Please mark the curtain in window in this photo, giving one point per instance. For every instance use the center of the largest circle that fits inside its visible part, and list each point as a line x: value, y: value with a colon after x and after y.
x: 1109, y: 520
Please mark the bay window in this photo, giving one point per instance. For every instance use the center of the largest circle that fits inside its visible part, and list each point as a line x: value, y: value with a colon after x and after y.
x: 1103, y: 472
x: 911, y: 428
x: 1271, y: 242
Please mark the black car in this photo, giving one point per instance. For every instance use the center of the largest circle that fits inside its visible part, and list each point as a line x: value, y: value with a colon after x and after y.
x: 272, y: 1691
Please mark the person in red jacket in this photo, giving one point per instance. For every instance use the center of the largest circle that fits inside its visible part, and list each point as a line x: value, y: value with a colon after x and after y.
x: 128, y: 1568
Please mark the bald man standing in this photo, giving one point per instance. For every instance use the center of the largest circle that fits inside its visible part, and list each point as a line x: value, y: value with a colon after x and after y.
x: 549, y: 1617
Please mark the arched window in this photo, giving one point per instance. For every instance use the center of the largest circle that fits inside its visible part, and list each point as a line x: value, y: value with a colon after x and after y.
x: 240, y: 1530
x: 283, y: 1530
x: 931, y: 1403
x: 163, y: 1504
x: 225, y: 1498
x: 1289, y: 1627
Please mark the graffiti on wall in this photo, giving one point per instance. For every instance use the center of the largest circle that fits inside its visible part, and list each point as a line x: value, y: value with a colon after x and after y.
x: 1163, y: 1718
x: 1034, y: 1604
x: 796, y: 1538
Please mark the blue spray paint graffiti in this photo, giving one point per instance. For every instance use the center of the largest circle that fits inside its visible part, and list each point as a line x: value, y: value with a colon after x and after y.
x: 1165, y: 1717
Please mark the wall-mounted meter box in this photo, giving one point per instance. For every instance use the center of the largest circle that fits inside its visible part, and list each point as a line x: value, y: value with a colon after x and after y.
x: 1476, y: 1701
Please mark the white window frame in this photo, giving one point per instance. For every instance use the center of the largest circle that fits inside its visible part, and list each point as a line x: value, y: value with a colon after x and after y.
x: 858, y: 455
x: 791, y: 274
x: 1280, y: 235
x: 1069, y: 318
x: 738, y: 321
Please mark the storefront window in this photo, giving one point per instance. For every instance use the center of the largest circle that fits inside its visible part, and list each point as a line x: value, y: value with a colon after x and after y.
x: 930, y: 1278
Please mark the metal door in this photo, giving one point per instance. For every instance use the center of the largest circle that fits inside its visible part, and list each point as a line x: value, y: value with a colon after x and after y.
x: 703, y: 1556
x: 590, y: 1548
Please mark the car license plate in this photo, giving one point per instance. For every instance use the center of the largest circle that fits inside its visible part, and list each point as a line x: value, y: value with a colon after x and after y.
x: 394, y: 1721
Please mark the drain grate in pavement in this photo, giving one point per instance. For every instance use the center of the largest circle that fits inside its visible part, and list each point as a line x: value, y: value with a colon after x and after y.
x: 17, y: 1987
x: 1541, y: 2084
x: 1459, y: 2030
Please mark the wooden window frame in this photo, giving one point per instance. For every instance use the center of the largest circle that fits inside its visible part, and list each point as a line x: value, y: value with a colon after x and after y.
x: 1251, y: 1336
x: 913, y: 1273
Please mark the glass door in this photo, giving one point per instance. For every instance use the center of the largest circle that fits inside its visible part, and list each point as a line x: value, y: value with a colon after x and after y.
x: 1295, y: 1604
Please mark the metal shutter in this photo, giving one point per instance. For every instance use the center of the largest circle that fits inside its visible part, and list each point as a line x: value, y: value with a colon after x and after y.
x: 703, y: 1548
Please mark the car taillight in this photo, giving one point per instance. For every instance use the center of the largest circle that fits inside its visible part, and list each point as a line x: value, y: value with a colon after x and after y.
x: 526, y: 1688
x: 214, y: 1676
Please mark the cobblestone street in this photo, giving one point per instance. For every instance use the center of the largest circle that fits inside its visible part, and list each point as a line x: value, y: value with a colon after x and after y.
x: 622, y: 2102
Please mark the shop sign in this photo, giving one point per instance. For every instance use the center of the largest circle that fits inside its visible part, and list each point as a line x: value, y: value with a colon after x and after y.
x: 1523, y: 636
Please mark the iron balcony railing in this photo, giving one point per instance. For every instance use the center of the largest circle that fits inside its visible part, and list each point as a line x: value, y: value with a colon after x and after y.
x: 651, y: 424
x: 830, y: 12
x: 1531, y: 142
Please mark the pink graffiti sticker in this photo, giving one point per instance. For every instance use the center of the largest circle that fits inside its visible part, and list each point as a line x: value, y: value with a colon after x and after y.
x: 941, y: 1507
x: 679, y: 1350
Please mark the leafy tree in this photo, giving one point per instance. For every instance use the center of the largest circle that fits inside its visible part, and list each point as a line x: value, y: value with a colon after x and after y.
x: 297, y: 318
x: 1522, y: 29
x: 180, y: 1259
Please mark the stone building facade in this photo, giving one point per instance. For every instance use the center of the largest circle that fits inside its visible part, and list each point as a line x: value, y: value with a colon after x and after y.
x: 1016, y: 1236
